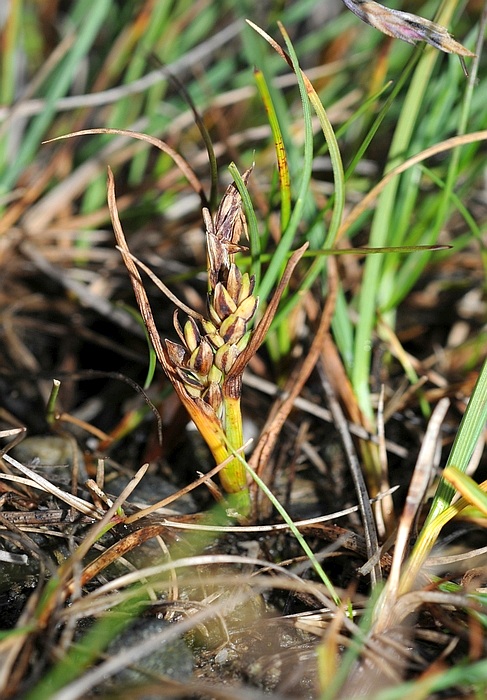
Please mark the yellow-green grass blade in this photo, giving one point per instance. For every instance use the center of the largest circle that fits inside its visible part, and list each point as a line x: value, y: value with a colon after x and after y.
x: 282, y: 163
x: 471, y: 426
x: 469, y: 489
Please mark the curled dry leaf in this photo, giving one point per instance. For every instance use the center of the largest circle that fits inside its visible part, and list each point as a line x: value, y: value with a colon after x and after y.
x: 406, y: 26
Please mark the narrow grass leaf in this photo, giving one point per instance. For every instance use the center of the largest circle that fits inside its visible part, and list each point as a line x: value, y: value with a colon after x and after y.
x: 252, y: 226
x: 465, y: 485
x: 286, y: 242
x: 11, y: 29
x: 471, y: 427
x: 152, y: 355
x: 462, y: 676
x: 281, y: 156
x: 427, y: 540
x: 373, y: 285
x: 289, y: 521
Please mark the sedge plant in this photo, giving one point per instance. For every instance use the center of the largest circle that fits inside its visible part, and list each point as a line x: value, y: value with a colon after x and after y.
x: 206, y: 367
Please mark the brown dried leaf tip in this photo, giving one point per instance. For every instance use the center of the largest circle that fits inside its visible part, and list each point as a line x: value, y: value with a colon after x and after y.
x: 210, y: 348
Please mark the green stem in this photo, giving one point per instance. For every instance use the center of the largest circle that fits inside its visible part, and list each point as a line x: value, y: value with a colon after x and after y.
x: 233, y: 476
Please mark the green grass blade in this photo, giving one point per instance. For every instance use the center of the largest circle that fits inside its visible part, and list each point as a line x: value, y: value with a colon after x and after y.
x: 462, y: 676
x: 471, y: 427
x: 284, y: 246
x: 383, y: 223
x: 253, y: 229
x: 87, y: 32
x: 152, y: 355
x: 336, y: 164
x: 289, y: 521
x: 10, y: 42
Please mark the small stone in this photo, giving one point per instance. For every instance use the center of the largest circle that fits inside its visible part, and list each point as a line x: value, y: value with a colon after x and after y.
x: 171, y: 658
x: 52, y: 456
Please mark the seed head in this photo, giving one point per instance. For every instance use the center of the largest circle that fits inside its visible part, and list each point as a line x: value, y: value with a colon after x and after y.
x: 210, y: 346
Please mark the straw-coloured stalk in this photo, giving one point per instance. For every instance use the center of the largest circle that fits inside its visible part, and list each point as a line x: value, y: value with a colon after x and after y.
x: 206, y: 367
